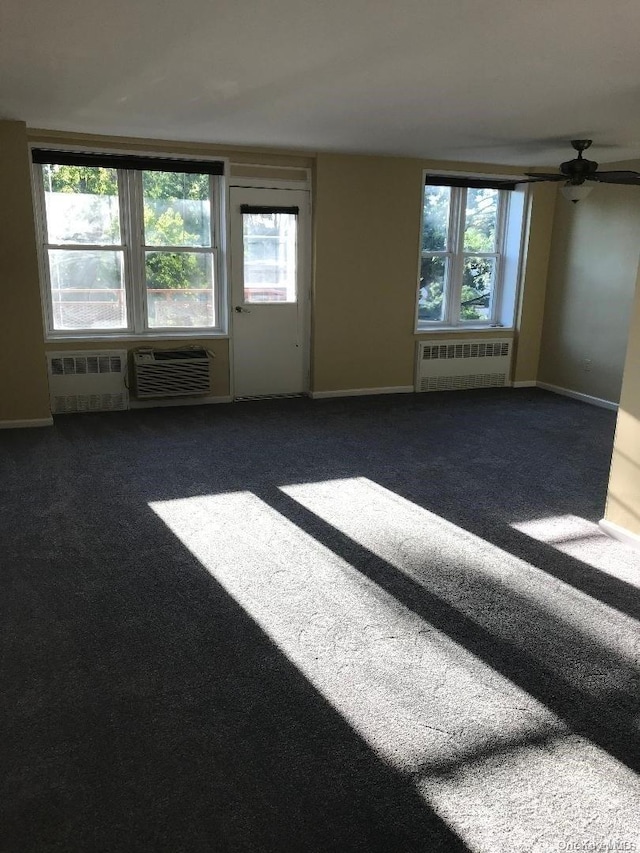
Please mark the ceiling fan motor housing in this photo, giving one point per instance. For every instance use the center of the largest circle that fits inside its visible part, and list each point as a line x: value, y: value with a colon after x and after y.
x: 579, y: 169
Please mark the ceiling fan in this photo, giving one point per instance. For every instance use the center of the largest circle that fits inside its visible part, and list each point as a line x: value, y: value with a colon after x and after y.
x: 579, y: 170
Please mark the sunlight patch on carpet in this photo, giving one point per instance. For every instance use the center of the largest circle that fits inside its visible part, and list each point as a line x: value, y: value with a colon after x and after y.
x: 584, y: 540
x: 466, y: 735
x: 390, y: 674
x: 506, y: 595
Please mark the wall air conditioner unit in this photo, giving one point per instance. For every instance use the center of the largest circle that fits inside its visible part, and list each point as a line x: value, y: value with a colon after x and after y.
x: 455, y: 365
x: 171, y: 373
x: 88, y: 381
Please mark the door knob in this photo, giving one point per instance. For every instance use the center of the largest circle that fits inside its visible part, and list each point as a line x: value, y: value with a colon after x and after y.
x: 241, y: 310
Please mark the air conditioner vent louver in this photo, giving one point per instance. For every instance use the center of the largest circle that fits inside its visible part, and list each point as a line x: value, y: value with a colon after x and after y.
x: 457, y: 365
x: 88, y: 381
x: 171, y: 373
x: 89, y: 403
x: 81, y: 364
x: 479, y: 349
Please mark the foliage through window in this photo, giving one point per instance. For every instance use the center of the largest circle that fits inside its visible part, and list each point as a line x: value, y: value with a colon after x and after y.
x: 270, y: 241
x: 462, y: 230
x: 130, y: 250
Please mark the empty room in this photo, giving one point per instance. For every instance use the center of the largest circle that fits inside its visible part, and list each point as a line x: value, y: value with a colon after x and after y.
x: 319, y: 427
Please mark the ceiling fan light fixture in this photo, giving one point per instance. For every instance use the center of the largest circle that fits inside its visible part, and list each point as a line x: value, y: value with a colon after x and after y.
x: 575, y: 192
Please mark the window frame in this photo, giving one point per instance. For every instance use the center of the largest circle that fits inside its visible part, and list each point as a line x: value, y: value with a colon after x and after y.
x: 131, y: 210
x: 455, y: 255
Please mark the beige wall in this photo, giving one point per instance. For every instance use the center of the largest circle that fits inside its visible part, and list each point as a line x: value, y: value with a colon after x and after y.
x: 592, y: 273
x: 367, y: 227
x: 534, y: 287
x: 245, y: 162
x: 238, y: 155
x: 623, y: 499
x: 366, y: 244
x: 24, y: 393
x: 23, y: 382
x: 367, y: 240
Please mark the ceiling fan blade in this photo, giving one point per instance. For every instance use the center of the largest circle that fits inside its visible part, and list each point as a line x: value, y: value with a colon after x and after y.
x: 541, y: 176
x: 631, y: 178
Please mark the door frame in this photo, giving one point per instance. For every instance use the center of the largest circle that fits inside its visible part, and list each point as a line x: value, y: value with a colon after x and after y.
x: 304, y: 268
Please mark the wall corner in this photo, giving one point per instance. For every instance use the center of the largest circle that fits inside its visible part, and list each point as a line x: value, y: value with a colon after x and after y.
x: 24, y: 391
x: 537, y: 251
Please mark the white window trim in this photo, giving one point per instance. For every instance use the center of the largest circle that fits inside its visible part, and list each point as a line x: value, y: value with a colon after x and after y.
x: 137, y: 328
x: 513, y: 229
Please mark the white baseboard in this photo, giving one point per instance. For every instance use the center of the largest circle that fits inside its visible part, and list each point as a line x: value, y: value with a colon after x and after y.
x: 576, y: 395
x: 528, y: 383
x: 361, y: 392
x: 177, y: 401
x: 619, y: 533
x: 32, y: 422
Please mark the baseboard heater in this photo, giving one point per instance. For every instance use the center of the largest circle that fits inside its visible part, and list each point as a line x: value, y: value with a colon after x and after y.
x: 88, y: 381
x: 456, y: 365
x: 162, y: 373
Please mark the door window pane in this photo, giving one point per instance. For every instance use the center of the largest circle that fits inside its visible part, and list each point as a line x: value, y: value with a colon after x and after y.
x: 480, y: 220
x: 177, y: 210
x: 431, y: 296
x: 179, y: 287
x: 82, y: 205
x: 478, y: 279
x: 87, y: 289
x: 435, y: 218
x: 270, y: 245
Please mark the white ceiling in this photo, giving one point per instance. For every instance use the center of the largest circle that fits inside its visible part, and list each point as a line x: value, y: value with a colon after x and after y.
x: 498, y: 81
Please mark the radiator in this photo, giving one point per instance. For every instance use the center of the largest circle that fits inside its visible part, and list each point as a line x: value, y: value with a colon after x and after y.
x: 171, y: 373
x: 88, y: 381
x: 455, y: 365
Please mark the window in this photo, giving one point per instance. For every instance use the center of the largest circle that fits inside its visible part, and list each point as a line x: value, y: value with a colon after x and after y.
x: 270, y: 249
x: 466, y: 228
x: 129, y: 245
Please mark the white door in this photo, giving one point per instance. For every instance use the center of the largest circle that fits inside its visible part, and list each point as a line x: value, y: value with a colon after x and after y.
x: 269, y: 290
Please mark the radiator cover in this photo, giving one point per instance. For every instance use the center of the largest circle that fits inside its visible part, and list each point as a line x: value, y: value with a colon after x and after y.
x: 171, y: 373
x: 88, y: 381
x: 456, y: 365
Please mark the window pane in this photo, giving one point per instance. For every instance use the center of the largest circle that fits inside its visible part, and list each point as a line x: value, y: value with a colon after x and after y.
x: 87, y: 289
x: 82, y: 204
x: 480, y: 220
x: 177, y: 209
x: 435, y: 218
x: 432, y: 281
x: 179, y: 289
x: 269, y: 257
x: 477, y: 288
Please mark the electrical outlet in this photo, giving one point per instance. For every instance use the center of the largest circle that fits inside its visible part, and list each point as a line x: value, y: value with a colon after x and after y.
x: 587, y: 364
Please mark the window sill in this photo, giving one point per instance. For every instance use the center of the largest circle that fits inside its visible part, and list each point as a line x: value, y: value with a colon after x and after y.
x: 448, y: 330
x: 204, y: 334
